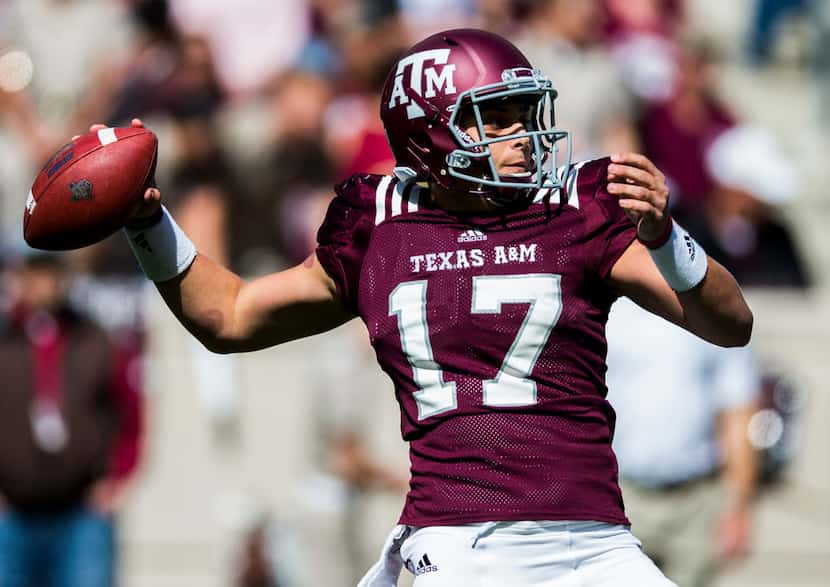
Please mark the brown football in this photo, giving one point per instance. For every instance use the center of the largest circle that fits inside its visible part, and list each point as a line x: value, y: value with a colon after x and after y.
x: 89, y: 188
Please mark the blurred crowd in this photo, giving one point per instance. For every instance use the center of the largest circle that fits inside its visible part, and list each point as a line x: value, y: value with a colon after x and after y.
x: 261, y: 107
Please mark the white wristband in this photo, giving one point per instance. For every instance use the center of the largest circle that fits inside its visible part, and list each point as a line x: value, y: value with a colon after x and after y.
x: 163, y: 249
x: 681, y: 260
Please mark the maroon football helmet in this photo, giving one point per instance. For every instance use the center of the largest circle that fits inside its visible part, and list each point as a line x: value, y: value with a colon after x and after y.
x: 466, y: 71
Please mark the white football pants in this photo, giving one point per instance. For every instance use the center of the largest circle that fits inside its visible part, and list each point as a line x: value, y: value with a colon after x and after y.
x: 516, y: 554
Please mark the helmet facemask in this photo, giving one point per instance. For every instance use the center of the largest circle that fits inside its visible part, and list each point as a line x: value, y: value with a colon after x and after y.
x: 473, y: 162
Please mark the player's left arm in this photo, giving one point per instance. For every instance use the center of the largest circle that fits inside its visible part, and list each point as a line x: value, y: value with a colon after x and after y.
x: 713, y: 308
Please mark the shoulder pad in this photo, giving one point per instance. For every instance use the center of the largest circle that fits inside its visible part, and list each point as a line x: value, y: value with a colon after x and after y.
x: 381, y: 196
x: 360, y: 190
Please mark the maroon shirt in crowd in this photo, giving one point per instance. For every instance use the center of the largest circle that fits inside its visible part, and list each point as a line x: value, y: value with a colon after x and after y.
x: 492, y: 329
x: 65, y: 361
x: 681, y: 152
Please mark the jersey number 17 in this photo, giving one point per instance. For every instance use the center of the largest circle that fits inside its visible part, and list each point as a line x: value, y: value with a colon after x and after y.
x: 512, y: 385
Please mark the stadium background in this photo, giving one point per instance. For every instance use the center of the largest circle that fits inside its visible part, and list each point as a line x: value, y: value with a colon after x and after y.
x: 264, y: 453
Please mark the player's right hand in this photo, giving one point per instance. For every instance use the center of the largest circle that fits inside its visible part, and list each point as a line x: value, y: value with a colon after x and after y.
x: 151, y: 200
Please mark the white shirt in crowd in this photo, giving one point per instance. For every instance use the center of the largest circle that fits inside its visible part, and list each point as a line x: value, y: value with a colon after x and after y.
x: 667, y: 387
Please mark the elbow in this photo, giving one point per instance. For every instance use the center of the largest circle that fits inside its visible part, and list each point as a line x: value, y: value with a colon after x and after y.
x: 214, y: 333
x: 219, y: 346
x: 217, y: 343
x: 740, y: 330
x: 218, y: 349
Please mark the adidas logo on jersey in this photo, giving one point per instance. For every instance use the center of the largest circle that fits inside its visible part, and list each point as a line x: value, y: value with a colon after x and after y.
x: 424, y: 566
x: 472, y: 236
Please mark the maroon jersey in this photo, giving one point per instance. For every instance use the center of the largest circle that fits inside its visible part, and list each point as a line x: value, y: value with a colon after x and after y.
x: 492, y: 329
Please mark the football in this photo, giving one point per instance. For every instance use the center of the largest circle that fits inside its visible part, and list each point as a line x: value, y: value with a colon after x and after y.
x: 89, y: 188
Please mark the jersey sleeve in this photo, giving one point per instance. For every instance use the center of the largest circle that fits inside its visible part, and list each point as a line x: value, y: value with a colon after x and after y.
x: 344, y: 236
x: 610, y: 230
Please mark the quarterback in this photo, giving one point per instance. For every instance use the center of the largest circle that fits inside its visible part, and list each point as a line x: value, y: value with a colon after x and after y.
x: 484, y: 269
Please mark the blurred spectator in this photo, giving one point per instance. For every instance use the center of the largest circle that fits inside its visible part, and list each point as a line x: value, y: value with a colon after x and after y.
x: 177, y: 79
x: 56, y: 35
x: 256, y: 567
x: 252, y: 41
x: 355, y: 137
x: 775, y: 429
x: 202, y: 185
x: 163, y: 72
x: 627, y: 18
x: 502, y: 16
x: 766, y: 25
x: 687, y: 468
x: 741, y: 225
x: 321, y: 130
x: 727, y: 179
x: 167, y: 74
x: 349, y: 469
x: 328, y: 514
x: 353, y: 463
x: 48, y: 62
x: 20, y: 115
x: 642, y: 35
x: 677, y: 131
x: 294, y: 164
x: 562, y: 39
x: 362, y: 474
x: 821, y: 57
x: 70, y: 425
x: 423, y: 17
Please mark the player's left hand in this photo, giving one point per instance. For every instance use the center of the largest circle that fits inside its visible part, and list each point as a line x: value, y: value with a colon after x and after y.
x: 643, y: 193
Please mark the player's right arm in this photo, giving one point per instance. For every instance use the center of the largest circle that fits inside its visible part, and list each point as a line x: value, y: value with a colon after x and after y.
x: 228, y: 314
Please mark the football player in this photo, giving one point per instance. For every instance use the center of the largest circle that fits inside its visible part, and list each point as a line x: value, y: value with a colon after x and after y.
x: 484, y: 269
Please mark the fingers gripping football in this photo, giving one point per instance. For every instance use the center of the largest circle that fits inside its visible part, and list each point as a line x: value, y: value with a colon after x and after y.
x: 152, y: 196
x: 642, y: 192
